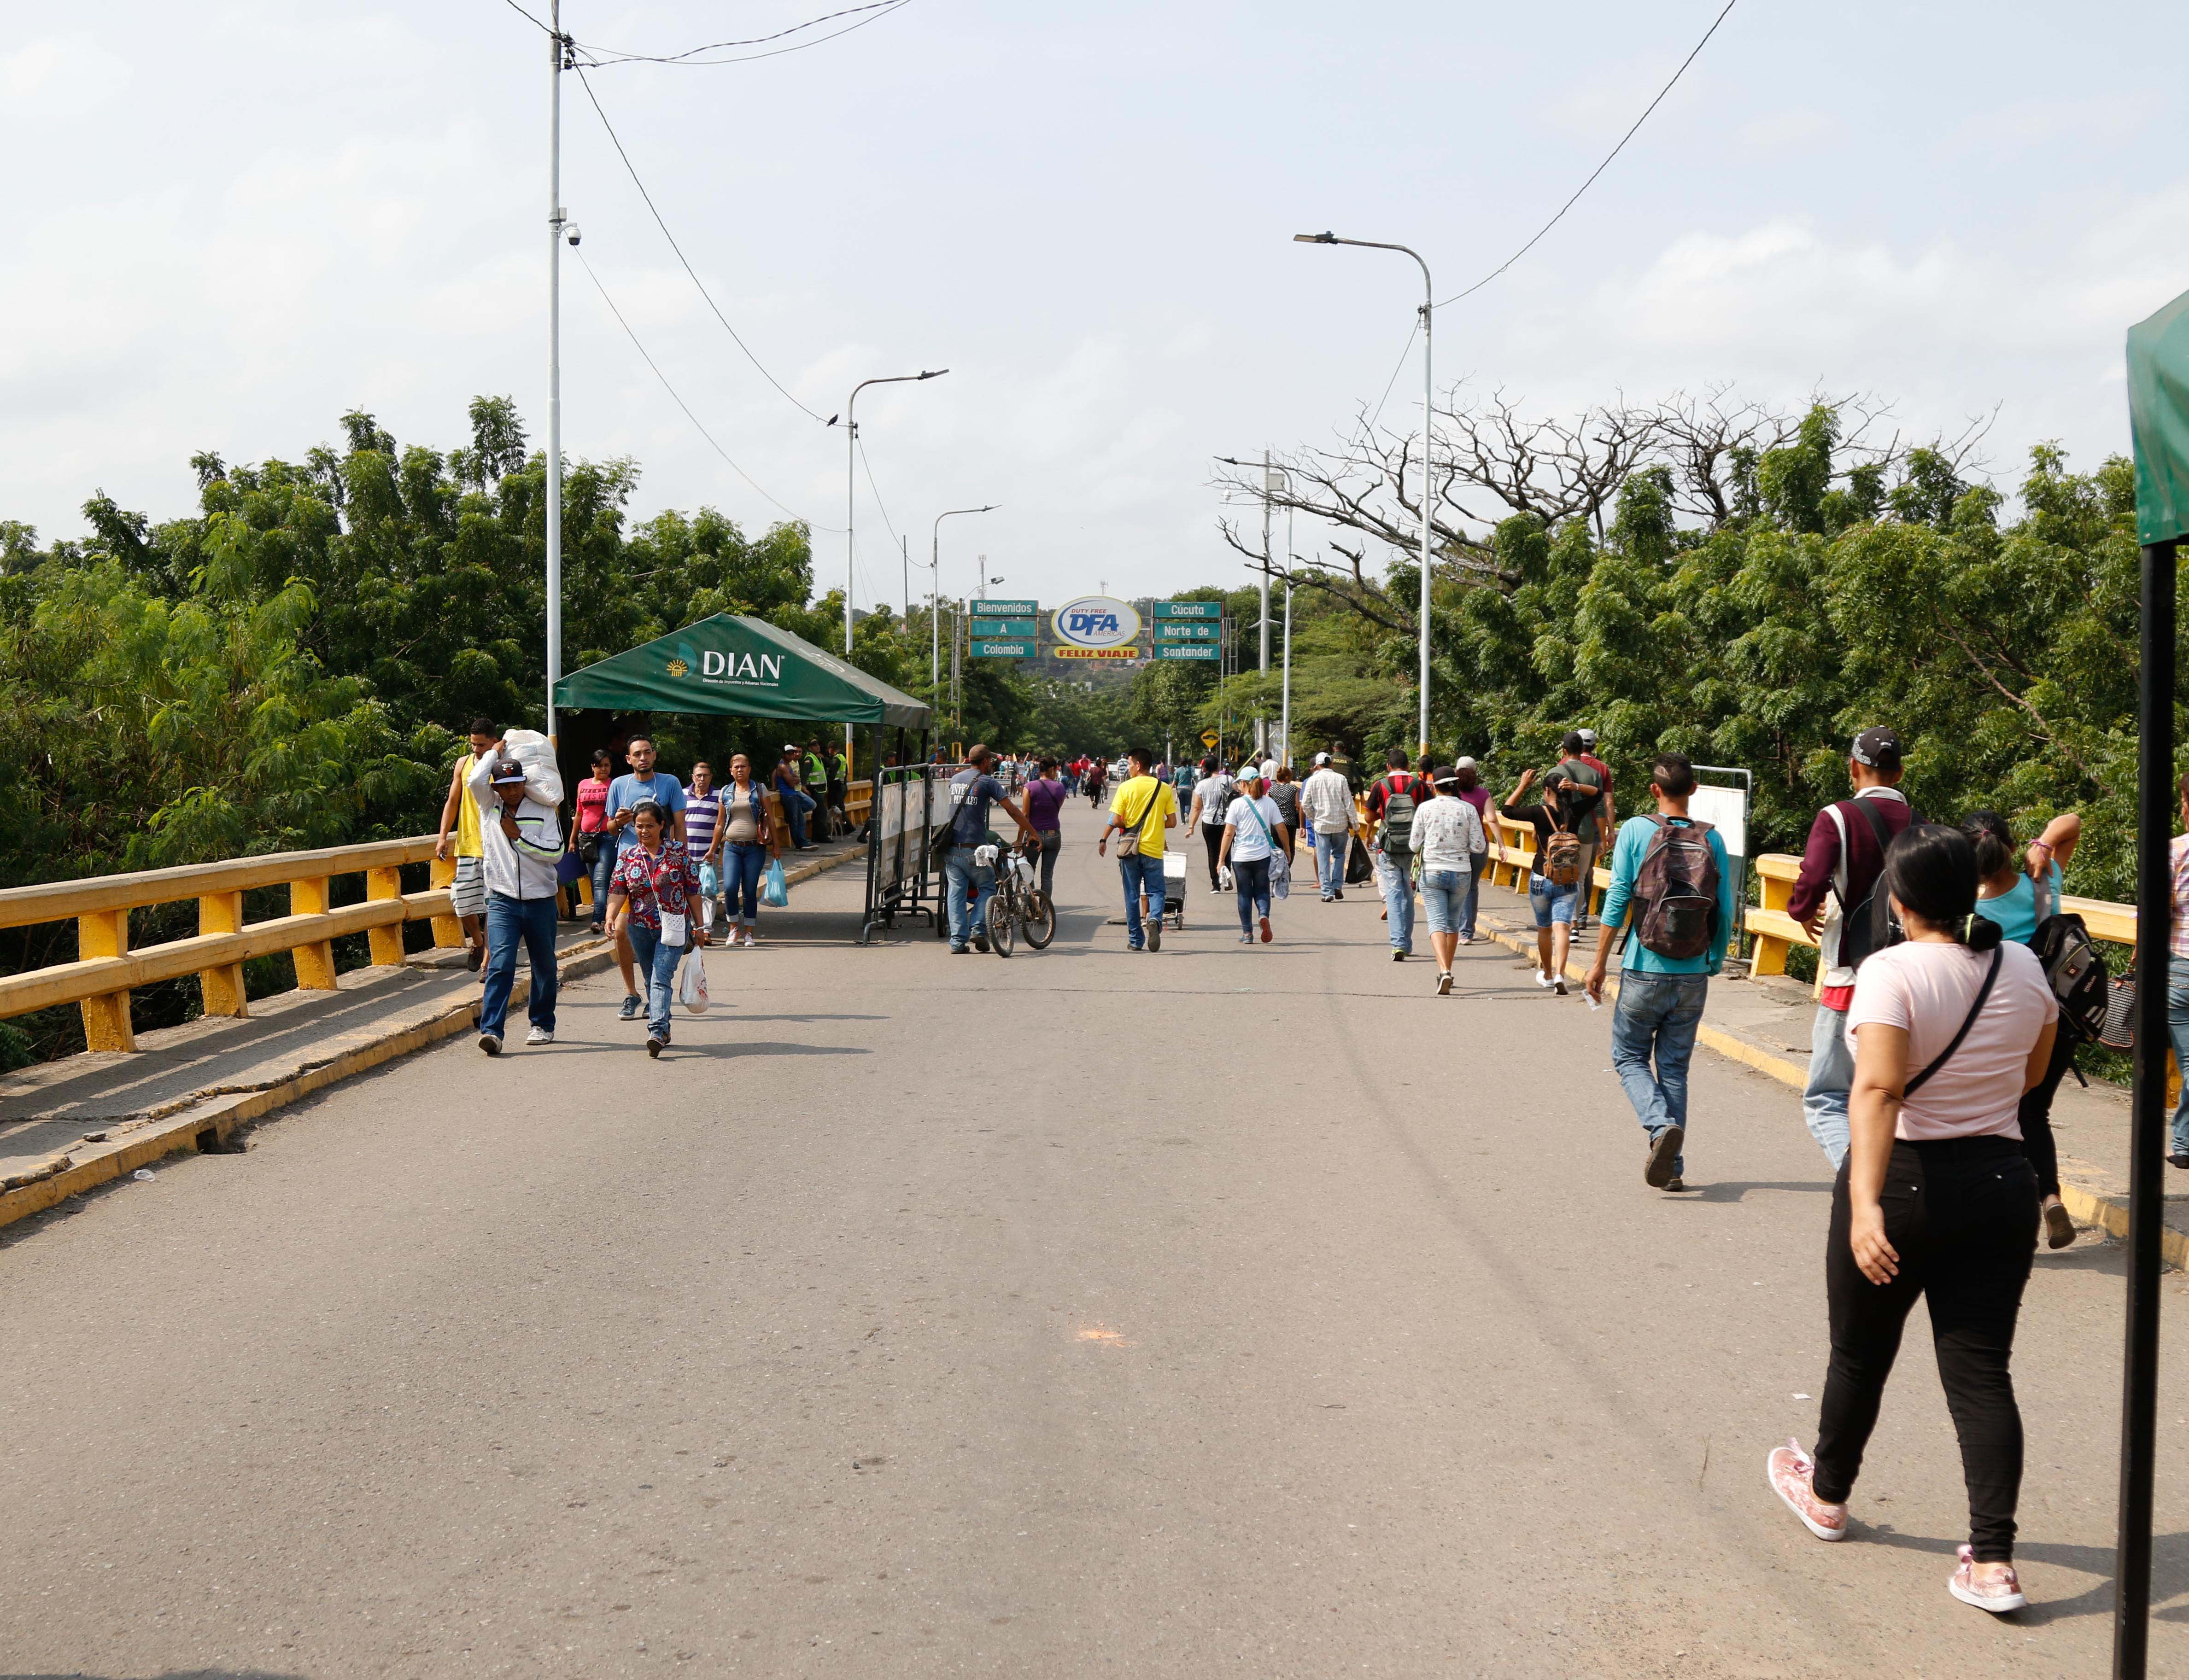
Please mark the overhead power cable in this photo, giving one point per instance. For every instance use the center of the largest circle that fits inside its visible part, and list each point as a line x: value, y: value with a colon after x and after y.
x: 585, y: 83
x: 1600, y: 167
x: 877, y: 489
x: 639, y: 346
x: 874, y: 11
x: 527, y: 17
x: 1396, y: 368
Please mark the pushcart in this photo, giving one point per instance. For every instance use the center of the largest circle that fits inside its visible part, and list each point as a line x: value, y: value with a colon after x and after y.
x: 1174, y: 887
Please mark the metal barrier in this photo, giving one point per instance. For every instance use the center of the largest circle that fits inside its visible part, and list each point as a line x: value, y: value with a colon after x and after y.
x: 900, y: 848
x: 106, y: 969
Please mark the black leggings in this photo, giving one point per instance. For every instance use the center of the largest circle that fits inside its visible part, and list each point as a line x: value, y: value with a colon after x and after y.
x: 1212, y: 835
x: 1962, y: 1213
x: 2035, y: 1114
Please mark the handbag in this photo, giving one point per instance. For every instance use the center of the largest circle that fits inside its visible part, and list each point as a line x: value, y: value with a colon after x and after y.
x: 1128, y: 838
x: 570, y: 867
x: 774, y: 890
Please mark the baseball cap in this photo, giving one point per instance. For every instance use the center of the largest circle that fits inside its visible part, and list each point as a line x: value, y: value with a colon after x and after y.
x: 1879, y: 747
x: 507, y: 771
x: 1323, y: 757
x: 1447, y: 777
x: 1464, y: 763
x: 1587, y: 737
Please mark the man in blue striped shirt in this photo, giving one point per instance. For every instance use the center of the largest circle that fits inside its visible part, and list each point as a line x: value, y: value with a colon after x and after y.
x: 703, y: 833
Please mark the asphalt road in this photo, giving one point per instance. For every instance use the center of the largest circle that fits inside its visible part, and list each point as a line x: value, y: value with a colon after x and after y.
x: 1228, y: 1310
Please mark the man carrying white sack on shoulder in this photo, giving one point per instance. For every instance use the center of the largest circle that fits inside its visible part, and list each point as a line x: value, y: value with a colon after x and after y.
x: 522, y: 842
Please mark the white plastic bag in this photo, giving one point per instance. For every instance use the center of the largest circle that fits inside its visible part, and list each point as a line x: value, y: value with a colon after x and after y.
x: 533, y: 750
x: 691, y: 983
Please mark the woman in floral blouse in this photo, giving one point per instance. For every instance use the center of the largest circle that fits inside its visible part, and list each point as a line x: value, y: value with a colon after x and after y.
x: 650, y: 897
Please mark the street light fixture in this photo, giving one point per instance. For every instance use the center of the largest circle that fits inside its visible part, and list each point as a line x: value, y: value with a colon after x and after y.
x: 934, y: 594
x: 852, y: 477
x: 1429, y: 438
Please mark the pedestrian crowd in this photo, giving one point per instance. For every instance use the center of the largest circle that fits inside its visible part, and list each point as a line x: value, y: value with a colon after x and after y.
x: 1952, y: 985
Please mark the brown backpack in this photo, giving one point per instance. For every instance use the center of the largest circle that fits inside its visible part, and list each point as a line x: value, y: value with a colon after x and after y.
x: 1561, y: 858
x: 1675, y: 890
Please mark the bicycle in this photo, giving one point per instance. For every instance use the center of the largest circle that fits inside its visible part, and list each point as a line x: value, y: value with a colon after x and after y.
x: 1018, y: 902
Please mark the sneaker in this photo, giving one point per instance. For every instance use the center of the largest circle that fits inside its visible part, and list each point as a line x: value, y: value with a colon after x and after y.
x: 490, y: 1043
x: 1266, y: 935
x: 1558, y: 984
x: 1664, y: 1150
x: 1999, y: 1594
x: 653, y: 1046
x: 959, y: 950
x: 631, y: 1005
x: 751, y: 938
x: 1675, y: 1183
x: 981, y: 942
x: 1790, y: 1475
x: 1542, y: 979
x: 2178, y: 1158
x: 1337, y: 898
x: 1246, y: 938
x: 595, y: 929
x: 1397, y: 956
x: 1466, y: 938
x: 2059, y: 1227
x: 1444, y: 985
x: 1155, y: 934
x: 541, y: 1035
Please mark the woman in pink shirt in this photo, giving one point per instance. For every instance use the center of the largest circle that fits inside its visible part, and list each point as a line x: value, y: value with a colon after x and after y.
x: 1936, y: 1198
x: 599, y: 857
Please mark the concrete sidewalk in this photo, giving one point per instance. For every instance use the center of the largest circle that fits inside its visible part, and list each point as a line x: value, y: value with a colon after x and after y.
x: 1765, y: 1022
x: 69, y: 1125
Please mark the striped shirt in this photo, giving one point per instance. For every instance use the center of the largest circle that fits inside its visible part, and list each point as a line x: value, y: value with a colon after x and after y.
x: 702, y: 814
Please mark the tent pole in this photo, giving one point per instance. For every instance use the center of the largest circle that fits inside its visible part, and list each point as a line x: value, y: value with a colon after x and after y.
x: 2155, y: 798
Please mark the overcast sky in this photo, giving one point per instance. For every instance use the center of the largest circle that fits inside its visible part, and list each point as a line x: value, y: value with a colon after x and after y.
x: 229, y: 222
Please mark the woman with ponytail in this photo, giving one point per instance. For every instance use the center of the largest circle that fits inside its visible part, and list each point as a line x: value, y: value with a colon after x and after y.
x: 1936, y: 1198
x: 2019, y: 892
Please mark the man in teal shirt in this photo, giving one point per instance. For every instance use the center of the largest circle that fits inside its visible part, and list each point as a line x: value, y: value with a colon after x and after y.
x: 1660, y: 998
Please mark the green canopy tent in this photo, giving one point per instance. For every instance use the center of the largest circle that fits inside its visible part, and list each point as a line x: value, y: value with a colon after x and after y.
x: 742, y: 666
x: 747, y: 668
x: 2158, y: 421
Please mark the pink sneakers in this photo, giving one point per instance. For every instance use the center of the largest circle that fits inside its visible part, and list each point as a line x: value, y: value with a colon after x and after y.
x: 1789, y: 1472
x: 1998, y: 1593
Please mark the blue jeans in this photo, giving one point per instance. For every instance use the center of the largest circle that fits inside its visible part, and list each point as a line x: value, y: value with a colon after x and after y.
x: 604, y: 862
x: 743, y: 860
x: 1553, y: 903
x: 1657, y: 1013
x: 2177, y: 1029
x: 1141, y: 874
x: 1471, y: 899
x: 508, y: 920
x: 1444, y: 896
x: 1250, y: 884
x: 1831, y: 1073
x: 960, y: 873
x: 1396, y: 880
x: 657, y: 963
x: 795, y: 808
x: 1330, y: 862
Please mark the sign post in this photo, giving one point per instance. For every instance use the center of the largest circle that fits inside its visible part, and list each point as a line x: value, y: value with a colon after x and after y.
x: 1004, y: 630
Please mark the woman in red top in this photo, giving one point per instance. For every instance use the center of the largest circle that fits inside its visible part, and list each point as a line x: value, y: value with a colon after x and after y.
x: 598, y: 859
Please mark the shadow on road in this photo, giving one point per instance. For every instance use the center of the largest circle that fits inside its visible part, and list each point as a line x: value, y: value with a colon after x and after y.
x: 678, y: 1052
x: 174, y: 1674
x: 2170, y: 1571
x: 1739, y: 1192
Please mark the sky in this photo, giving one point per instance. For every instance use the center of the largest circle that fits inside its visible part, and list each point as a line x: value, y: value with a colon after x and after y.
x: 232, y: 222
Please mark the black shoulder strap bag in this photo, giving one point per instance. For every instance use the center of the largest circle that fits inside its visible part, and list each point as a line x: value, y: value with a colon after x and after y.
x: 1983, y: 993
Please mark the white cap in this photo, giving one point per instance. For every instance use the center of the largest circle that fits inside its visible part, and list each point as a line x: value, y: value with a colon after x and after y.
x: 1323, y: 757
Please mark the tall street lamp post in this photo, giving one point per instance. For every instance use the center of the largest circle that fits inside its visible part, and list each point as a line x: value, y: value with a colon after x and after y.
x: 1429, y: 297
x: 934, y: 594
x: 852, y: 477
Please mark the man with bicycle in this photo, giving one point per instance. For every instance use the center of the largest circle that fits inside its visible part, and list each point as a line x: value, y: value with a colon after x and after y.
x: 972, y: 790
x: 1145, y: 805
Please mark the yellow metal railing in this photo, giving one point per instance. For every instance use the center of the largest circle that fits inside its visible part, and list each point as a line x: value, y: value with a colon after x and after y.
x: 107, y: 969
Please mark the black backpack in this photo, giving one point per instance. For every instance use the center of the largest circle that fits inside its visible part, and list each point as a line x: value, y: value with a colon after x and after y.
x: 1869, y: 926
x: 1398, y: 834
x: 2073, y: 967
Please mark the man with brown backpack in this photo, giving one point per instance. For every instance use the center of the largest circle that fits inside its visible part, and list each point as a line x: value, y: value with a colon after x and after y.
x: 1671, y: 902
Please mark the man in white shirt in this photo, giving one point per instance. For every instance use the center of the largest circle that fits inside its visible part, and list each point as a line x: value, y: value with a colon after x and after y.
x: 1327, y: 802
x: 1447, y: 834
x: 522, y: 840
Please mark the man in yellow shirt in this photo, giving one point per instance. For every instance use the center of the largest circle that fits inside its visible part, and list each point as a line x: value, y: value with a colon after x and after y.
x: 467, y: 892
x: 1144, y: 806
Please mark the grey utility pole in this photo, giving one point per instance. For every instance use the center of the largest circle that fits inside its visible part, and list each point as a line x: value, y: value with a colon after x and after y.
x: 557, y: 50
x: 1429, y: 436
x: 852, y: 483
x: 934, y: 566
